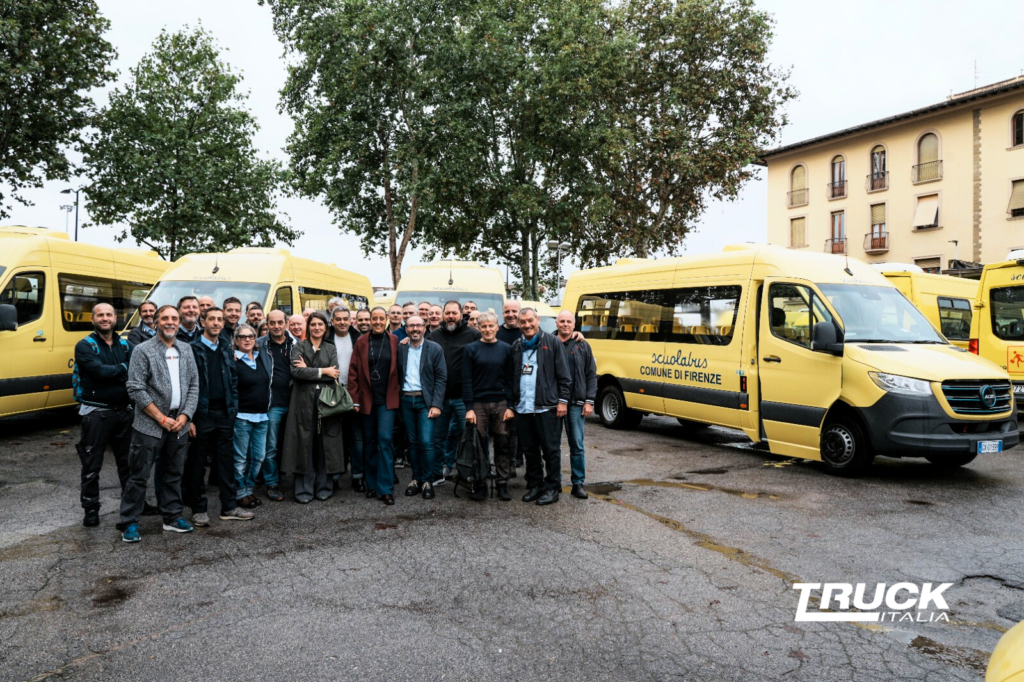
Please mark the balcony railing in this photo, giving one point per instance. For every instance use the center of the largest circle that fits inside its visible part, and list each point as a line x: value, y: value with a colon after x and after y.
x: 923, y: 172
x: 877, y: 181
x: 876, y: 243
x: 837, y: 190
x: 835, y: 245
x: 797, y: 197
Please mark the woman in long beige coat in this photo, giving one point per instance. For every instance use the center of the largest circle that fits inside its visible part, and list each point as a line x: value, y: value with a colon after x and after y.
x: 313, y: 449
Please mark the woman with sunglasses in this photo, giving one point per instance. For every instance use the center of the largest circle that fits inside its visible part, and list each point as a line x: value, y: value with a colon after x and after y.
x: 254, y: 376
x: 313, y: 448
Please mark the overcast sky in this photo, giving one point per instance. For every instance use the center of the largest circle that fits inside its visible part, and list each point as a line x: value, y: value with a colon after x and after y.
x: 852, y: 62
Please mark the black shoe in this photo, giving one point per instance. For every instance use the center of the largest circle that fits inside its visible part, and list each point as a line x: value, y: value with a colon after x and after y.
x: 428, y: 491
x: 150, y: 510
x: 533, y: 494
x: 503, y: 492
x: 274, y: 494
x: 396, y: 479
x: 359, y: 485
x: 413, y: 489
x: 387, y: 499
x: 579, y: 491
x: 92, y: 518
x: 549, y: 497
x: 478, y: 493
x: 370, y: 494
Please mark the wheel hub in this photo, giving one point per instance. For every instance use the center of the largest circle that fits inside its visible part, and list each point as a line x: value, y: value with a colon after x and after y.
x: 610, y: 407
x: 838, y: 445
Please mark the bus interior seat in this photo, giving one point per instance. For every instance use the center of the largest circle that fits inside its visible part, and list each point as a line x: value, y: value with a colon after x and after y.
x: 778, y: 317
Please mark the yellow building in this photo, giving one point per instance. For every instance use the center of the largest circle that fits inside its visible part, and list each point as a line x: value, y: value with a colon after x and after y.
x: 941, y: 182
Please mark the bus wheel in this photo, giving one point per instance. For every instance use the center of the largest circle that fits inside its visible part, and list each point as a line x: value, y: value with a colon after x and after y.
x: 951, y: 461
x: 693, y: 426
x: 844, y: 449
x: 614, y: 413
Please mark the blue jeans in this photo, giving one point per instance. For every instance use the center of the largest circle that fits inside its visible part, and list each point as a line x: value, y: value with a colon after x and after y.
x: 420, y: 430
x: 250, y: 449
x: 573, y: 422
x: 271, y: 462
x: 379, y: 450
x: 352, y: 441
x: 447, y: 432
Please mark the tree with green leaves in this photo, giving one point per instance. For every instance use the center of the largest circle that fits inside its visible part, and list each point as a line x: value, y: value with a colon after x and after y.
x: 173, y: 158
x: 376, y: 92
x: 697, y: 103
x: 51, y: 53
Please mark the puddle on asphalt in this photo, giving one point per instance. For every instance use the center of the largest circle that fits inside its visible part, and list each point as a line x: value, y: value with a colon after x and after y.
x: 713, y: 470
x: 961, y: 657
x: 602, y: 488
x: 112, y: 592
x: 747, y: 495
x: 922, y: 503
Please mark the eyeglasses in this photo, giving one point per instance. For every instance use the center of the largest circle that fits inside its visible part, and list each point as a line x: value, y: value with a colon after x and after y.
x: 245, y: 337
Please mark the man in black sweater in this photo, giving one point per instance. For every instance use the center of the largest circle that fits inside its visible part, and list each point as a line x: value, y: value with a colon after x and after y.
x: 486, y: 389
x: 510, y: 331
x: 101, y: 371
x: 453, y: 337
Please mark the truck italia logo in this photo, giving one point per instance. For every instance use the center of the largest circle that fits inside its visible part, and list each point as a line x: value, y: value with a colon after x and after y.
x: 845, y: 602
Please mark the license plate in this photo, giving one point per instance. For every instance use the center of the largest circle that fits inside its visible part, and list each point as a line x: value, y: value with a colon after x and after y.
x: 989, y: 446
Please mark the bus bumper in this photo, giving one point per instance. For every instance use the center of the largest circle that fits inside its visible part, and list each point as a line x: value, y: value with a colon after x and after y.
x: 911, y: 426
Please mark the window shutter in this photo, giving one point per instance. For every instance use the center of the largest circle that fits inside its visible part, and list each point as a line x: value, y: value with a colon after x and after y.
x: 799, y: 178
x: 878, y: 214
x: 1016, y: 197
x: 797, y: 232
x: 928, y: 149
x: 927, y: 213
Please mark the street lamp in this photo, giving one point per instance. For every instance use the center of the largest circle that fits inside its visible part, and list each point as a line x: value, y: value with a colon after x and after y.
x: 558, y: 247
x: 76, y: 191
x: 67, y: 211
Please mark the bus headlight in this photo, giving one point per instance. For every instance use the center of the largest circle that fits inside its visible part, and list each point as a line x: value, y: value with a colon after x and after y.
x: 894, y: 383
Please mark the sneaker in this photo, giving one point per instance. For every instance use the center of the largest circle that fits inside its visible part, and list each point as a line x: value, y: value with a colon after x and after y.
x: 236, y: 514
x: 400, y: 463
x: 439, y: 481
x: 274, y: 494
x: 179, y: 526
x: 446, y: 471
x: 131, y: 533
x: 201, y: 520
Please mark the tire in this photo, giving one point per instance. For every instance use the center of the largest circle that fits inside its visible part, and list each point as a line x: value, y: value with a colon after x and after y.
x: 951, y: 461
x: 845, y: 450
x: 614, y: 413
x: 692, y: 426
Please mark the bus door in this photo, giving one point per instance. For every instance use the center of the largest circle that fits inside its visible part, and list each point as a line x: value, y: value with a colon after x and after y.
x: 797, y: 384
x: 26, y: 373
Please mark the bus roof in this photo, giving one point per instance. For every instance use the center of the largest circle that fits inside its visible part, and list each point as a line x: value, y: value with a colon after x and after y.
x: 256, y: 265
x: 465, y: 276
x: 19, y: 240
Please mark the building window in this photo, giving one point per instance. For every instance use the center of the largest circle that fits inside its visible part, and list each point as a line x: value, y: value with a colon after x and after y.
x: 879, y: 178
x: 837, y: 188
x: 927, y: 213
x: 930, y: 265
x: 1017, y: 129
x: 929, y: 166
x: 798, y: 232
x: 837, y: 244
x: 798, y: 186
x: 878, y: 239
x: 1016, y: 207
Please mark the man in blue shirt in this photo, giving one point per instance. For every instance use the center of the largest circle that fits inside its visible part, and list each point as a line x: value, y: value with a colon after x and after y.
x: 423, y: 376
x: 540, y: 393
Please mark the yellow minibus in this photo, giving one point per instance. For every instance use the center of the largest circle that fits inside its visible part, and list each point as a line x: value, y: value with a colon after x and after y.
x: 946, y: 301
x: 997, y: 330
x: 453, y: 280
x: 48, y: 286
x: 815, y: 355
x: 273, y: 277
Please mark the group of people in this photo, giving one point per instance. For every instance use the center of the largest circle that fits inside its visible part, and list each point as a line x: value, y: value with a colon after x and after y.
x: 200, y: 397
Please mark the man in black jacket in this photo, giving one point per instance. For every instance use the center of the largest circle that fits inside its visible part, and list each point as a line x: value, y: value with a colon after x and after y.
x: 452, y: 336
x: 188, y: 309
x: 276, y: 347
x: 583, y: 373
x: 540, y: 393
x: 146, y: 328
x: 101, y: 368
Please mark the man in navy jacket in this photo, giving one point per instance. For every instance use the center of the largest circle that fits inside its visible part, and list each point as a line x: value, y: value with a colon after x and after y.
x: 422, y: 376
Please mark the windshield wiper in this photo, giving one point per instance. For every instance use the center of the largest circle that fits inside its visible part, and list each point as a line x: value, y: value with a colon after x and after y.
x: 848, y: 340
x: 941, y: 343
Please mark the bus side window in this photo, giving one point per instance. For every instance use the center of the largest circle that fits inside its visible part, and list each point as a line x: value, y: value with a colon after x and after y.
x: 790, y: 313
x: 26, y: 292
x: 955, y: 318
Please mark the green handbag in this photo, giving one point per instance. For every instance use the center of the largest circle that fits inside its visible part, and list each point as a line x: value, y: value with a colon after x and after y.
x: 334, y: 400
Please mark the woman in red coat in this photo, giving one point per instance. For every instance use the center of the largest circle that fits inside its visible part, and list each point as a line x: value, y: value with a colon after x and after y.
x: 373, y: 385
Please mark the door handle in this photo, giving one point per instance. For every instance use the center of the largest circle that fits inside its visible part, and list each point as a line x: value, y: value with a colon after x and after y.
x: 772, y: 358
x: 39, y: 339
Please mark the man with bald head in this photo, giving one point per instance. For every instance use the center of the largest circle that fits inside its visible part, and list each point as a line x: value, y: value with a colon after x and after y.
x: 297, y: 326
x: 205, y: 303
x: 101, y: 371
x: 510, y: 331
x: 582, y: 393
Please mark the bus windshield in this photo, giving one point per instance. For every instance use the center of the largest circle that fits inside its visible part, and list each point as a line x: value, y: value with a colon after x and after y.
x: 1008, y: 313
x: 484, y: 302
x: 168, y: 292
x: 873, y: 314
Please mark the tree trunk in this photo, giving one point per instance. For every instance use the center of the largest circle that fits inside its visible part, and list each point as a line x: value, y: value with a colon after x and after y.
x: 535, y: 256
x: 410, y: 228
x: 524, y: 264
x: 389, y: 209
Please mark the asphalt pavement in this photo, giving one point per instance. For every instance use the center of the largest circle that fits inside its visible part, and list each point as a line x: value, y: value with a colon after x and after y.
x: 680, y: 566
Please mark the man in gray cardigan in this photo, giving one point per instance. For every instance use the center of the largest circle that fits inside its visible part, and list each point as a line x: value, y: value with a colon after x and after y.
x: 163, y: 382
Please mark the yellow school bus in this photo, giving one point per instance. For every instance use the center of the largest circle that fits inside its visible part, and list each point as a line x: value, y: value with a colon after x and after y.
x: 453, y: 280
x: 272, y: 277
x: 946, y: 301
x: 48, y: 286
x: 816, y: 356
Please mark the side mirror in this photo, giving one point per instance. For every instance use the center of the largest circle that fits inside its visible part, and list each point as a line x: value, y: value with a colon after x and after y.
x: 825, y: 338
x: 8, y: 318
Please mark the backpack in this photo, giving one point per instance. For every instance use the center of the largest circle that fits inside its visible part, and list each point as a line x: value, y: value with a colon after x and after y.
x: 471, y: 461
x: 76, y: 378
